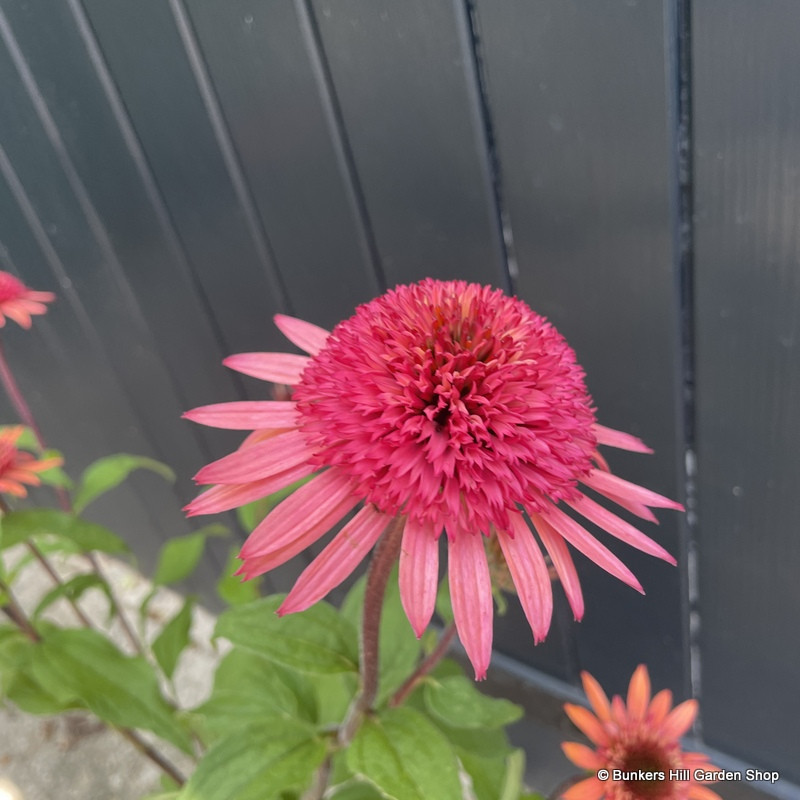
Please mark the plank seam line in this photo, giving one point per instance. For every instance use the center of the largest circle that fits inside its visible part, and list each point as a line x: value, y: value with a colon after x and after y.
x: 228, y: 151
x: 145, y: 172
x: 93, y: 220
x: 309, y: 29
x: 478, y: 86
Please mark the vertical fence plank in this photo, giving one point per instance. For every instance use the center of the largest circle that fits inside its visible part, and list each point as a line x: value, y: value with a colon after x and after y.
x: 578, y: 95
x: 402, y: 74
x: 747, y: 177
x: 264, y: 65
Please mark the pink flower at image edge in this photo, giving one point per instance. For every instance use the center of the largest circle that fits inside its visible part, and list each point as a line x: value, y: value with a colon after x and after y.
x: 640, y: 737
x: 19, y: 303
x: 18, y: 467
x: 452, y: 405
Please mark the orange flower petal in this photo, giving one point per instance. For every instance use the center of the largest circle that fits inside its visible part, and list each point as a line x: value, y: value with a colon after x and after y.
x: 639, y: 693
x: 582, y: 756
x: 679, y: 720
x: 590, y: 789
x: 597, y: 697
x: 588, y: 723
x: 660, y: 706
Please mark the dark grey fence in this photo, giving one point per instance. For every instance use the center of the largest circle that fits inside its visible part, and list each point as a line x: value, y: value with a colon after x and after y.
x: 179, y: 170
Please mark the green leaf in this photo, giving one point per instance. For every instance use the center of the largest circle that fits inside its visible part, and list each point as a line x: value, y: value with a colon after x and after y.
x: 316, y: 640
x: 173, y: 639
x: 231, y: 588
x: 107, y: 473
x: 26, y: 441
x: 73, y: 589
x: 16, y: 682
x: 405, y: 757
x: 82, y: 664
x: 334, y: 693
x: 257, y: 763
x: 356, y: 790
x: 443, y: 607
x: 495, y: 778
x: 458, y: 703
x: 180, y: 556
x: 249, y: 689
x: 55, y: 476
x: 74, y: 534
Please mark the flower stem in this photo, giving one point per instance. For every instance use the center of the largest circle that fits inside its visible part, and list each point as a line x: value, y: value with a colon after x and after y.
x: 386, y: 553
x: 425, y: 666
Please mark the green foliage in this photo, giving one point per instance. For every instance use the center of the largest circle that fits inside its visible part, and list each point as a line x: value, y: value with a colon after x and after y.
x: 71, y: 533
x: 231, y: 588
x: 180, y: 556
x: 495, y: 778
x: 249, y: 689
x: 457, y: 702
x: 443, y: 607
x: 55, y: 476
x: 82, y: 665
x: 356, y: 790
x: 317, y: 640
x: 73, y: 589
x: 257, y: 762
x: 109, y: 472
x: 173, y: 639
x: 405, y: 757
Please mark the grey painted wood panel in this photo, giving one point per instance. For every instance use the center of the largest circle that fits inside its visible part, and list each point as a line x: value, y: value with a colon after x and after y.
x: 747, y: 178
x: 263, y: 62
x: 402, y: 73
x: 579, y: 103
x: 150, y: 65
x: 97, y: 136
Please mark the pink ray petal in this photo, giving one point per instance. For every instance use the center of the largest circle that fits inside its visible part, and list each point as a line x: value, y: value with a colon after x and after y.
x: 224, y: 498
x: 679, y: 720
x: 605, y: 482
x: 246, y: 415
x: 471, y: 597
x: 623, y: 531
x: 582, y: 540
x: 419, y: 573
x: 43, y: 297
x: 529, y: 572
x: 623, y: 441
x: 344, y: 553
x: 306, y: 336
x: 20, y: 316
x: 276, y: 367
x: 637, y: 509
x: 257, y: 461
x: 562, y: 561
x: 315, y: 506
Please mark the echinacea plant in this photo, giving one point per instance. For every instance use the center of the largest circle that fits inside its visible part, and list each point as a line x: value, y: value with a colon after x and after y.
x: 441, y: 407
x: 633, y: 740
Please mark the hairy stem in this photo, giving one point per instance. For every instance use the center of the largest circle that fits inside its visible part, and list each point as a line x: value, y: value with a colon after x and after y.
x: 425, y: 666
x: 386, y: 553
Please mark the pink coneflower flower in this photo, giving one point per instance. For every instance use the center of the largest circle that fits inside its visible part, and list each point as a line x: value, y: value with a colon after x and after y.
x: 18, y: 467
x: 20, y: 303
x: 640, y: 738
x: 447, y: 403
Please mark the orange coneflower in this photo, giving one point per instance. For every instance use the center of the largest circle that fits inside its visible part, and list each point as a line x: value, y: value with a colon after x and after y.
x: 18, y: 467
x: 20, y: 303
x: 453, y: 406
x: 637, y: 747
